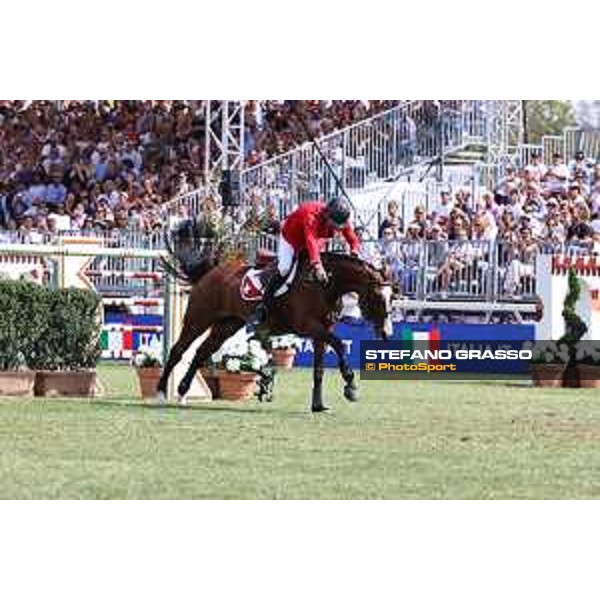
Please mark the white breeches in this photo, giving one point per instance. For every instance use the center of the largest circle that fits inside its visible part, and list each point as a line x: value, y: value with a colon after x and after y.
x: 285, y: 256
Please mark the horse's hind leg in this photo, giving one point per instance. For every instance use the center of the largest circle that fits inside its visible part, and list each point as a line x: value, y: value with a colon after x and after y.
x: 220, y: 332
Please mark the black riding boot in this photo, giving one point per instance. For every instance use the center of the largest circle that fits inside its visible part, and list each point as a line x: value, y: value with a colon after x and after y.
x: 262, y: 310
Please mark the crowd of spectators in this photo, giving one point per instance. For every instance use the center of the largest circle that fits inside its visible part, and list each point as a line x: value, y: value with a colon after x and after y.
x: 274, y: 127
x: 540, y: 207
x: 109, y: 165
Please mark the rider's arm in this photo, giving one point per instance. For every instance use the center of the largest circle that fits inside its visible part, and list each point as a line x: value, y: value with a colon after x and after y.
x: 312, y: 242
x: 351, y: 238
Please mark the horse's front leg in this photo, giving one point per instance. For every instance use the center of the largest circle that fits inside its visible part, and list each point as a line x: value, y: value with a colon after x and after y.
x: 318, y: 372
x: 350, y: 388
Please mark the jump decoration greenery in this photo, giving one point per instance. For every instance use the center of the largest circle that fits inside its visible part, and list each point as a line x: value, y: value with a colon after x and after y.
x: 563, y: 363
x: 49, y: 340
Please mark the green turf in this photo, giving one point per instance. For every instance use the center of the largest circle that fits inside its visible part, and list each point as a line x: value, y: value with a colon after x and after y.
x: 402, y: 440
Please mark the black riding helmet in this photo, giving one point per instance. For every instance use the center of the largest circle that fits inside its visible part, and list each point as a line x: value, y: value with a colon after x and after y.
x: 338, y: 212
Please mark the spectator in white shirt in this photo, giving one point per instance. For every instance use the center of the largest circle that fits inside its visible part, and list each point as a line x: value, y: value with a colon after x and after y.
x: 61, y: 220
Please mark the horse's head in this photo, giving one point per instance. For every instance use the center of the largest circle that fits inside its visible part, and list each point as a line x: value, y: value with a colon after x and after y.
x: 372, y: 285
x: 375, y: 303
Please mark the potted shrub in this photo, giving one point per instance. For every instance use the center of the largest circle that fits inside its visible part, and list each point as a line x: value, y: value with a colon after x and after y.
x: 238, y: 364
x: 283, y: 350
x: 588, y: 364
x: 67, y: 353
x: 22, y: 322
x: 575, y: 329
x: 148, y: 366
x: 548, y: 364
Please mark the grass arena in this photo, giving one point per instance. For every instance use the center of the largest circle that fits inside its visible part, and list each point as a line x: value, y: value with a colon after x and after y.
x: 403, y: 440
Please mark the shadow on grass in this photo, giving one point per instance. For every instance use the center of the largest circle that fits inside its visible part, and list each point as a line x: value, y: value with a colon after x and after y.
x: 208, y: 407
x: 496, y: 383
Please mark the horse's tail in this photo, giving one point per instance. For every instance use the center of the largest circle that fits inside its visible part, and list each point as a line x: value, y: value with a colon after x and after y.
x: 189, y: 262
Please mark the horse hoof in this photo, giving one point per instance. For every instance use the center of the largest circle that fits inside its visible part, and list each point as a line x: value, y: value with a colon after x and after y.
x: 351, y: 393
x: 161, y: 398
x: 182, y: 400
x: 318, y: 409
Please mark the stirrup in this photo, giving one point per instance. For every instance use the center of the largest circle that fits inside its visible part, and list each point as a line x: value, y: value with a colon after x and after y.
x: 258, y: 316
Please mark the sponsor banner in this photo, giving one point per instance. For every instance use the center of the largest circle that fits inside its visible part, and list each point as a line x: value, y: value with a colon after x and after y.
x: 355, y: 331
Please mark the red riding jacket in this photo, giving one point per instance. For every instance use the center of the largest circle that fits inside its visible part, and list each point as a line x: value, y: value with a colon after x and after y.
x: 307, y: 227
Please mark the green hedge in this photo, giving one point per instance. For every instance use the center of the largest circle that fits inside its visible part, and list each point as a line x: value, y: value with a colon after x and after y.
x: 48, y: 329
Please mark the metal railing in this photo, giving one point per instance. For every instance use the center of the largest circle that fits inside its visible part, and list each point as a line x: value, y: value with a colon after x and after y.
x: 552, y: 144
x: 586, y: 141
x: 116, y: 238
x: 377, y: 149
x: 482, y: 271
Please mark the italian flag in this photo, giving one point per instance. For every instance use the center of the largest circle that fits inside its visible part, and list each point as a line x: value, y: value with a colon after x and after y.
x: 421, y: 340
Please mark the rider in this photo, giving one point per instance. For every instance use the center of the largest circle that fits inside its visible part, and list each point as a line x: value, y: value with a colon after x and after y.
x: 307, y: 228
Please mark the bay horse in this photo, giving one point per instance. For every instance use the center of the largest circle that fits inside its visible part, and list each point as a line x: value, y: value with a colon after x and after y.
x: 307, y: 309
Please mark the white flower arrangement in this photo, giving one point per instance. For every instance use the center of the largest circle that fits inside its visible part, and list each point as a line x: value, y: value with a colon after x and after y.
x: 588, y: 353
x: 238, y: 355
x: 146, y: 357
x: 549, y: 352
x: 285, y: 342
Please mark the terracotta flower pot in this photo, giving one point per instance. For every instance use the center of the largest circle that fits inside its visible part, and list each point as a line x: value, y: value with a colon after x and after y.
x: 589, y: 376
x: 547, y: 375
x: 80, y: 384
x: 284, y: 357
x: 211, y: 377
x: 236, y: 386
x: 17, y: 383
x: 148, y: 379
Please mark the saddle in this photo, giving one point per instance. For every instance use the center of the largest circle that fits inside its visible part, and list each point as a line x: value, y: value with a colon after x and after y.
x: 256, y: 278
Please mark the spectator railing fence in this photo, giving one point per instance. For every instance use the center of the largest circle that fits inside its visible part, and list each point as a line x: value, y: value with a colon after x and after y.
x: 552, y: 144
x: 482, y: 271
x: 115, y: 238
x: 374, y: 150
x: 587, y: 141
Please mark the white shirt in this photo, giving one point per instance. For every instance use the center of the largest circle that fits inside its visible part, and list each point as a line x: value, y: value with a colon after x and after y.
x: 61, y: 222
x: 443, y: 210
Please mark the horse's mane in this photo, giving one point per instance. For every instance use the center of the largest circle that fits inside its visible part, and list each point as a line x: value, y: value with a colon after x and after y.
x: 354, y: 260
x: 192, y: 251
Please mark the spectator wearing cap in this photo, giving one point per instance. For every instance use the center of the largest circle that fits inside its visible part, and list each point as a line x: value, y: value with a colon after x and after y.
x: 579, y: 165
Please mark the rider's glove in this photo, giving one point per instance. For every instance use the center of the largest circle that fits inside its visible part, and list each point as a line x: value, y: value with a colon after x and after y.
x: 320, y: 273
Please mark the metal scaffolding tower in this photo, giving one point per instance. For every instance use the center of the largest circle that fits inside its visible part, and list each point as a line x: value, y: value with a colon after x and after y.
x: 505, y: 129
x: 224, y: 138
